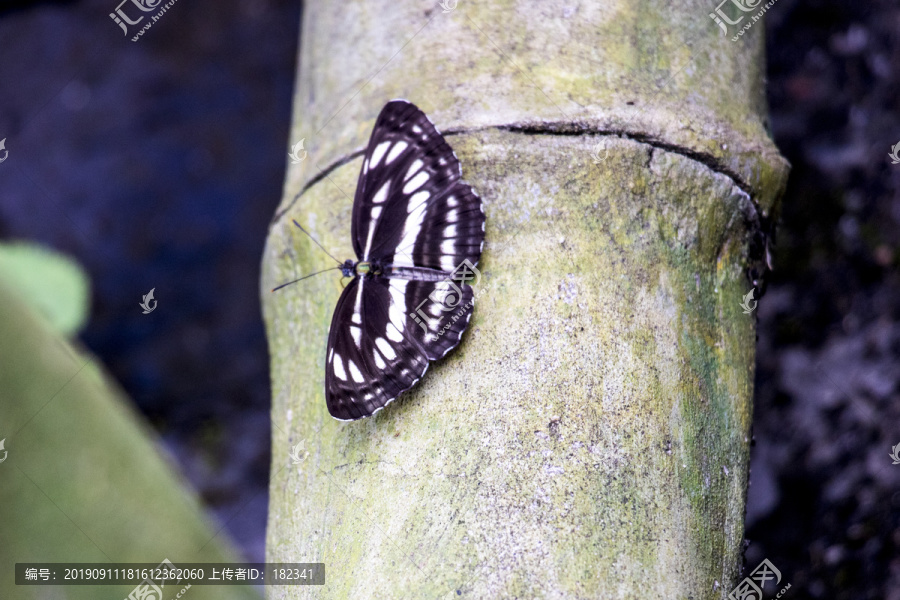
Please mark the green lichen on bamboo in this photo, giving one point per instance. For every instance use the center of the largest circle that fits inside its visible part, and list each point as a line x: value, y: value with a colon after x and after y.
x: 591, y: 312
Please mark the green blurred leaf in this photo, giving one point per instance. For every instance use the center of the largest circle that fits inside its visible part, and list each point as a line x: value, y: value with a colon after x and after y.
x: 51, y: 283
x: 83, y: 478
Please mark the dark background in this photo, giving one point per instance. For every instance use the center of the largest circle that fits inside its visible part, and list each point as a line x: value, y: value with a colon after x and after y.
x: 158, y: 164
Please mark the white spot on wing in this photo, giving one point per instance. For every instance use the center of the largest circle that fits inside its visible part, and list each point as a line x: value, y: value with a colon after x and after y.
x: 356, y: 332
x: 397, y: 310
x: 379, y: 362
x: 416, y: 182
x: 393, y: 333
x: 357, y: 306
x: 385, y: 348
x: 447, y: 261
x: 412, y: 169
x: 398, y: 149
x: 339, y: 368
x: 378, y: 153
x: 418, y: 199
x: 354, y: 372
x: 398, y: 317
x: 447, y: 247
x: 398, y: 292
x: 369, y: 241
x: 411, y: 228
x: 381, y: 195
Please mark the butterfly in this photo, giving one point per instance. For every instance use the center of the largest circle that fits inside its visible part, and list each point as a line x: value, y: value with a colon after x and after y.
x: 418, y: 233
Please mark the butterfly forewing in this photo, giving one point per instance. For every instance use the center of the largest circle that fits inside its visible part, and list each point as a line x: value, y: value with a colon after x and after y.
x: 413, y: 216
x: 408, y: 184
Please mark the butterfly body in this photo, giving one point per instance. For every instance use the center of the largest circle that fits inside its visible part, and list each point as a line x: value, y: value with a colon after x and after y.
x: 415, y: 225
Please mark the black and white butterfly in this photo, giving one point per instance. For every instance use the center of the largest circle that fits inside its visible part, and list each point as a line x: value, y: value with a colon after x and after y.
x: 418, y: 232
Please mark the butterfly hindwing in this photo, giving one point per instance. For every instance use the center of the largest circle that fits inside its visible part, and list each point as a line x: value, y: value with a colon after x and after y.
x: 439, y: 312
x: 377, y: 350
x: 370, y: 359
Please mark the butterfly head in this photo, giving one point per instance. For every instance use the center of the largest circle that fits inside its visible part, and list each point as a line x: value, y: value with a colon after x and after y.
x: 360, y: 268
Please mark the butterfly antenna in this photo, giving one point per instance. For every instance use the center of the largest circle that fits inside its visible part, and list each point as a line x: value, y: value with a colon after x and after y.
x: 304, y: 277
x: 317, y: 243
